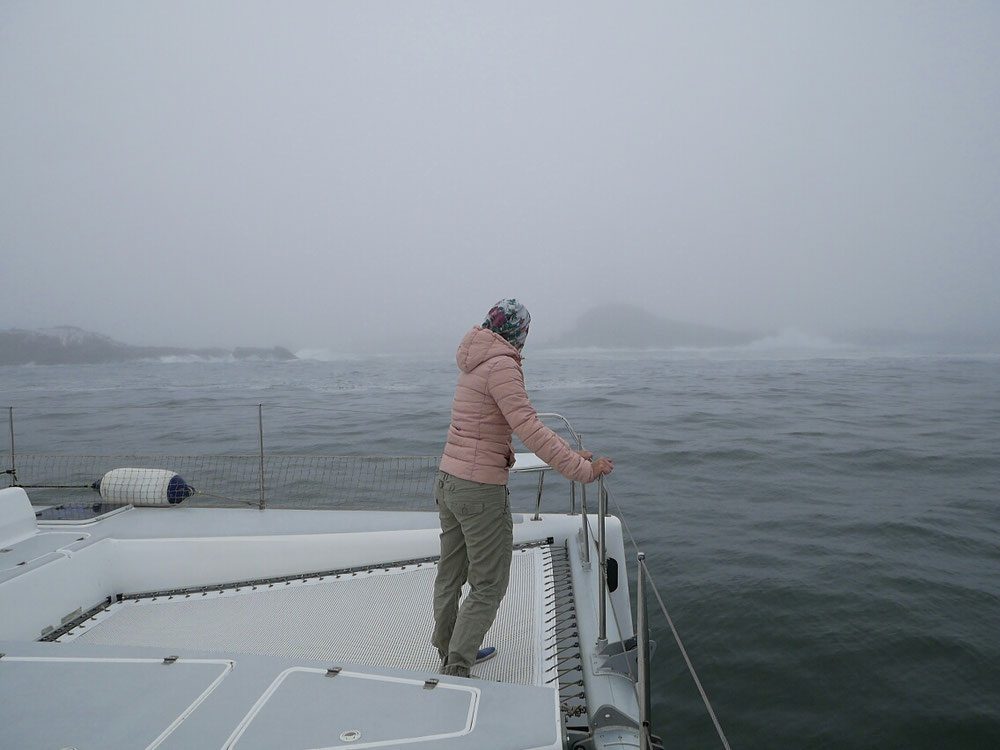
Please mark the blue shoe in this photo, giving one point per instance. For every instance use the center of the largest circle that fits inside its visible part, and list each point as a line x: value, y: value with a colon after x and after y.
x: 485, y: 654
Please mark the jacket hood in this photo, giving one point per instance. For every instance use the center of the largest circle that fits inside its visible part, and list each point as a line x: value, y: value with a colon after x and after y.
x: 481, y: 344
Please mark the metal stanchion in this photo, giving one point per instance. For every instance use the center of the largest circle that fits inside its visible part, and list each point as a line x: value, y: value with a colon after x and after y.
x: 538, y: 500
x: 602, y: 509
x: 642, y: 634
x: 13, y: 468
x: 260, y: 432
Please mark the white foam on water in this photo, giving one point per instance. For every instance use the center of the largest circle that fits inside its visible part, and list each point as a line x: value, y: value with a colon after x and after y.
x: 326, y: 355
x: 793, y: 338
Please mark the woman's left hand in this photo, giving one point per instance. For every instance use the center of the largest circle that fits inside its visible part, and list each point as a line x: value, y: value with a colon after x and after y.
x: 589, y: 455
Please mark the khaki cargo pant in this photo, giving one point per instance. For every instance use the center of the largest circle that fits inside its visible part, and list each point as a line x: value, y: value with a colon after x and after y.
x: 477, y: 535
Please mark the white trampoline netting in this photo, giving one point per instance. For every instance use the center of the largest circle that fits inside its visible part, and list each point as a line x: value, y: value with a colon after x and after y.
x: 380, y: 618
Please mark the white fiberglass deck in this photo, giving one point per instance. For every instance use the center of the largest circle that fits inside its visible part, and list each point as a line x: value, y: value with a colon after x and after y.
x: 220, y: 634
x: 380, y: 618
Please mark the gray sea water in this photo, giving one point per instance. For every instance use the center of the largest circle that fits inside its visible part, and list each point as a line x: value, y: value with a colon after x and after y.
x: 824, y: 527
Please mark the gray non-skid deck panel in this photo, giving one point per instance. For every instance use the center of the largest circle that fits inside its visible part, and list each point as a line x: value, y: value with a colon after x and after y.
x: 128, y: 698
x: 378, y: 618
x: 47, y: 543
x: 79, y: 702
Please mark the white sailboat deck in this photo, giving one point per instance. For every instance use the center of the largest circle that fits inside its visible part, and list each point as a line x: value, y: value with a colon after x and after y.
x: 226, y: 628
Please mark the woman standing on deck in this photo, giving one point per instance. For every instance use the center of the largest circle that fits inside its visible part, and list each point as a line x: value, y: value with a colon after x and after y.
x: 471, y: 491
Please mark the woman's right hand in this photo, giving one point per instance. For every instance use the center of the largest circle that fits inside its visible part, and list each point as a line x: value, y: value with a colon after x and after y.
x: 601, y: 466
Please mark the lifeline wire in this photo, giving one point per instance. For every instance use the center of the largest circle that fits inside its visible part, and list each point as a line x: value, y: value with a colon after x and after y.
x: 670, y: 622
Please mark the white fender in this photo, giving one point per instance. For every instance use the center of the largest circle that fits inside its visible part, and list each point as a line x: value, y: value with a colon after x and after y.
x: 143, y: 487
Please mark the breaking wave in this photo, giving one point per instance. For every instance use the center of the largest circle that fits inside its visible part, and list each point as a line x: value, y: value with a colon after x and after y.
x: 793, y: 339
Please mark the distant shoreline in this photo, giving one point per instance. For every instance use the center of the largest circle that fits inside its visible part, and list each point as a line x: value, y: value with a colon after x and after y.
x: 608, y: 329
x: 68, y: 345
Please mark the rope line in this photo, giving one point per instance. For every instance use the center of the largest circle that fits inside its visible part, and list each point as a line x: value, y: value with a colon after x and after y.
x: 663, y: 608
x: 633, y: 678
x: 704, y: 697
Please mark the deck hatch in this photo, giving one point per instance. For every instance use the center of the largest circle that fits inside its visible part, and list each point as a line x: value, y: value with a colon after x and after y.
x: 88, y: 717
x: 359, y: 709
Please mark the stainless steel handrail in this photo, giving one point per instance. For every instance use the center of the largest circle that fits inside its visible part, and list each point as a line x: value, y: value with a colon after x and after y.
x: 578, y: 438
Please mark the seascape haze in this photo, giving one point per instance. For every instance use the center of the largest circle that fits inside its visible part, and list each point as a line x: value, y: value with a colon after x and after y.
x: 760, y: 245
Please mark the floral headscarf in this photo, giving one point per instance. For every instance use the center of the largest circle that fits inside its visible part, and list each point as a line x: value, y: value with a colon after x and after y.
x: 510, y: 319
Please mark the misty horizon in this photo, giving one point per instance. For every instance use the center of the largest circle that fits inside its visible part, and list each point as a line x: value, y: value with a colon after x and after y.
x: 605, y: 328
x: 344, y: 174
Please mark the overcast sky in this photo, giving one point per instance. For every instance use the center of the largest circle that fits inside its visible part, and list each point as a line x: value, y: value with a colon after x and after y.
x: 313, y: 174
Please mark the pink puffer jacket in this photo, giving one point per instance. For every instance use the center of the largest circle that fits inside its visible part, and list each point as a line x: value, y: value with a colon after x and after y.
x: 490, y: 403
